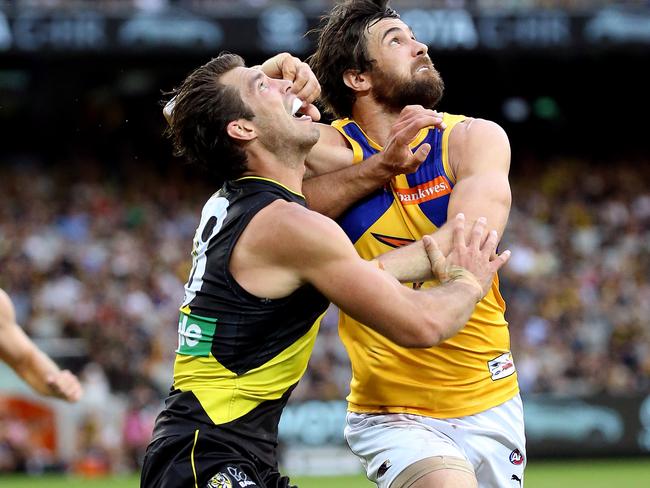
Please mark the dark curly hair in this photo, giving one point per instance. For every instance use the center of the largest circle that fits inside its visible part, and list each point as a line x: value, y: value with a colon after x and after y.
x: 203, y: 108
x: 341, y: 46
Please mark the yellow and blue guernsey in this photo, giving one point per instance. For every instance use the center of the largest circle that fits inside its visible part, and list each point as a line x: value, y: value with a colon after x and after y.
x: 239, y: 356
x: 468, y: 373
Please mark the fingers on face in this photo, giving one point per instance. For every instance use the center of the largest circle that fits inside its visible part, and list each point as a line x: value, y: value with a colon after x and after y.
x: 310, y: 92
x: 305, y: 84
x: 313, y: 112
x: 299, y: 82
x: 289, y: 67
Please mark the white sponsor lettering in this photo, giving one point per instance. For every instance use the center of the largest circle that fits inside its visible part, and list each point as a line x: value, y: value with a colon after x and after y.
x: 423, y: 193
x: 189, y: 335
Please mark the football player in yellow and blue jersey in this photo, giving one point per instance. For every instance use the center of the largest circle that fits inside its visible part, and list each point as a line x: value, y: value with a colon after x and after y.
x: 448, y: 415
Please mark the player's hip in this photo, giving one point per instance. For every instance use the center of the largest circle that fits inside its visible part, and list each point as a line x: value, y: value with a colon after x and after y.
x: 491, y: 442
x: 404, y: 393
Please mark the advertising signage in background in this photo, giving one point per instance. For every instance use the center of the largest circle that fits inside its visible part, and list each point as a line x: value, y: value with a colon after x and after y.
x: 555, y: 426
x: 282, y: 27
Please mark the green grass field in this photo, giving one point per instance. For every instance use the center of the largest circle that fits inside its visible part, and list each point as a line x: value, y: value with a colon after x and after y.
x: 596, y: 473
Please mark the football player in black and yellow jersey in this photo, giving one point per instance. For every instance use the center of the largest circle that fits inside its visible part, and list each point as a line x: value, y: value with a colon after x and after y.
x: 384, y: 190
x: 264, y: 270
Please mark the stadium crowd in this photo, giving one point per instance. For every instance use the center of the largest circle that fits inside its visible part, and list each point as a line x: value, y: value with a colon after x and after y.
x: 95, y: 262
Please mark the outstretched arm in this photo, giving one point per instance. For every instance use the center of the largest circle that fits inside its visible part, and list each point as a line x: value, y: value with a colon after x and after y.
x: 285, y: 246
x: 29, y: 362
x: 333, y: 182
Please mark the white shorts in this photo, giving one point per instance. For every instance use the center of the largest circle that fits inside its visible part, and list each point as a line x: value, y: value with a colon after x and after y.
x: 493, y: 442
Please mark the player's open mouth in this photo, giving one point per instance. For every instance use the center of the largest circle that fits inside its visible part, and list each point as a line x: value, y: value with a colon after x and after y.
x: 294, y: 110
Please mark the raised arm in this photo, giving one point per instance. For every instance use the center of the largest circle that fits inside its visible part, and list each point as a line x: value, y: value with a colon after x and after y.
x: 285, y: 246
x: 29, y: 362
x: 333, y: 182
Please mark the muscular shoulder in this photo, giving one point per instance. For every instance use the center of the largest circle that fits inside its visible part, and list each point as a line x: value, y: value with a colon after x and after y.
x: 474, y: 141
x: 290, y: 233
x: 330, y: 136
x: 477, y: 131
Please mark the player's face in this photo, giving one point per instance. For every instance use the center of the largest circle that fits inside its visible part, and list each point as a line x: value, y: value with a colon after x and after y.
x: 274, y: 107
x: 402, y: 72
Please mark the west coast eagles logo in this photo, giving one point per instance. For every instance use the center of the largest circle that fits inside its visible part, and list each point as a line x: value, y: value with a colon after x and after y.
x: 219, y: 480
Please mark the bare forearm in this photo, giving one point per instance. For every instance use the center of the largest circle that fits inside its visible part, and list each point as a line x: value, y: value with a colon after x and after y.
x: 454, y: 303
x: 331, y: 194
x: 434, y: 315
x: 35, y: 367
x: 407, y: 264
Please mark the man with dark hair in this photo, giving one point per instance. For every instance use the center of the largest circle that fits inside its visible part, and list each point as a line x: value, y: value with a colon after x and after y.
x: 29, y: 362
x: 451, y: 414
x: 264, y: 270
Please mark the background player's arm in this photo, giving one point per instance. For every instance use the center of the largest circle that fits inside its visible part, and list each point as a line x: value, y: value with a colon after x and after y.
x: 29, y: 362
x: 286, y: 246
x: 333, y: 182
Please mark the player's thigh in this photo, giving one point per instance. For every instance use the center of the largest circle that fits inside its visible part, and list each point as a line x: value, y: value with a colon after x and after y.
x: 495, y: 444
x: 394, y: 445
x: 437, y: 472
x: 178, y: 461
x: 445, y: 478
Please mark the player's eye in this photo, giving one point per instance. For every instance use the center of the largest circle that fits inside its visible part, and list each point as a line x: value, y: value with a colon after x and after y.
x: 263, y: 85
x: 394, y: 40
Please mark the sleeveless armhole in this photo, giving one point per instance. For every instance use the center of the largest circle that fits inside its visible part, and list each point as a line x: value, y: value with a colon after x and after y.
x: 356, y: 147
x: 451, y: 121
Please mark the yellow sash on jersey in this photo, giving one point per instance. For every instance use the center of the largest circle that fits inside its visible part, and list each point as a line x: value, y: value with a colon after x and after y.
x: 468, y: 373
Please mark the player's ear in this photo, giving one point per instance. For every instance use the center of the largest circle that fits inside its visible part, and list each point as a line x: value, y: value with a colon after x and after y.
x: 242, y: 130
x: 356, y: 80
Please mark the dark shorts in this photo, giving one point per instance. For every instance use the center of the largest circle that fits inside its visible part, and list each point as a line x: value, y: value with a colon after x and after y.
x: 205, y: 461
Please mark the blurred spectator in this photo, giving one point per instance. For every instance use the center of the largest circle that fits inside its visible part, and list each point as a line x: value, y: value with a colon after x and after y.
x: 138, y: 424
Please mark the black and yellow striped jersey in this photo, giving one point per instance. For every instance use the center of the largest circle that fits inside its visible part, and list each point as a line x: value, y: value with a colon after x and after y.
x: 239, y: 356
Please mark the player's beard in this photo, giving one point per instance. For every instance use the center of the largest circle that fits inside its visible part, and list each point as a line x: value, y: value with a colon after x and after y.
x: 395, y: 92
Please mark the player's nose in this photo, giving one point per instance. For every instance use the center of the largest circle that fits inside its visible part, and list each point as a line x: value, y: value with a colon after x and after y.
x: 284, y: 86
x: 420, y: 48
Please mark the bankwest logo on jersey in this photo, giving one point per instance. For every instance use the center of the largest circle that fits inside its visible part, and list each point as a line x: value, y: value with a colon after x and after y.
x: 436, y: 188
